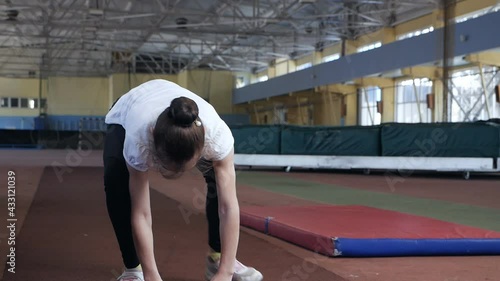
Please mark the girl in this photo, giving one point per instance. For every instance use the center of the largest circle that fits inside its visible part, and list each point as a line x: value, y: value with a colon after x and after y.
x: 163, y: 126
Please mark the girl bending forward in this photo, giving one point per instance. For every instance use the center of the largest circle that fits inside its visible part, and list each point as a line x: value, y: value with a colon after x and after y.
x: 162, y: 126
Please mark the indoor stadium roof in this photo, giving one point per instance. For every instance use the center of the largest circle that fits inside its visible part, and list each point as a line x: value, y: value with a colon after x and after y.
x: 100, y: 37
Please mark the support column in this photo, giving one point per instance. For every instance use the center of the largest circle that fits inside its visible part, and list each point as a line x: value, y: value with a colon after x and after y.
x: 437, y: 112
x: 291, y: 66
x: 448, y: 50
x: 349, y: 47
x: 118, y: 86
x: 327, y: 109
x: 271, y: 71
x: 110, y: 91
x: 388, y: 95
x: 317, y: 57
x: 281, y: 66
x: 320, y: 113
x: 438, y: 18
x: 388, y: 35
x: 294, y: 116
x: 351, y: 118
x: 182, y: 78
x: 329, y: 104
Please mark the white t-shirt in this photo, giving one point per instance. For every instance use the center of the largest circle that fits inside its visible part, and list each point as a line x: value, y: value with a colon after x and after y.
x: 138, y: 110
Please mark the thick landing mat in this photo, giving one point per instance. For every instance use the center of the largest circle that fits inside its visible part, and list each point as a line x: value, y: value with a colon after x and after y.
x: 67, y: 236
x: 360, y: 231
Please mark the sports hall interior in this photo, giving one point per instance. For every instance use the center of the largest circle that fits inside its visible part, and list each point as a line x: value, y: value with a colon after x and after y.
x: 367, y: 134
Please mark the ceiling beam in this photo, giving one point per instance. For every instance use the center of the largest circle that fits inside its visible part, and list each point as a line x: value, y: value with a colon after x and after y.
x: 58, y: 39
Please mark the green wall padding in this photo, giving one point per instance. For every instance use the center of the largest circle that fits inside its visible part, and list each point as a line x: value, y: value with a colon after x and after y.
x: 256, y: 139
x: 13, y: 137
x: 51, y: 139
x: 480, y: 139
x: 342, y: 141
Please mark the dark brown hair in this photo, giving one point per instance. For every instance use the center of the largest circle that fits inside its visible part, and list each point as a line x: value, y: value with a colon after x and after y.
x: 178, y: 136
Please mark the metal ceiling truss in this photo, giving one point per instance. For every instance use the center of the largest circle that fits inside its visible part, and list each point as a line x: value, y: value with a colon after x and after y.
x: 84, y: 37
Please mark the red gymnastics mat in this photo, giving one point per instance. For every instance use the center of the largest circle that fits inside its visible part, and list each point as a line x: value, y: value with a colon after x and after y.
x: 360, y: 231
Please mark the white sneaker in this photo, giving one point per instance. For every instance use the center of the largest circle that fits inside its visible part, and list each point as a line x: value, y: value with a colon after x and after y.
x: 131, y: 275
x: 241, y: 272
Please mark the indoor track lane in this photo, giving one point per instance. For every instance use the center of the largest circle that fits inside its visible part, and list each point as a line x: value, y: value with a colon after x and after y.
x: 67, y: 236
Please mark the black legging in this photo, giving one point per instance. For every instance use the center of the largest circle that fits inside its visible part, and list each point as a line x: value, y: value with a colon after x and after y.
x: 116, y: 186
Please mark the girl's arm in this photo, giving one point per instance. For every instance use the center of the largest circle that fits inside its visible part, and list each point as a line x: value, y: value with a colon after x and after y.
x: 229, y: 214
x: 142, y: 223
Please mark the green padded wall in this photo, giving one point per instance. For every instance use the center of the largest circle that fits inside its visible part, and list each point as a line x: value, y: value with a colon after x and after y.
x: 346, y: 141
x: 481, y: 139
x: 256, y: 139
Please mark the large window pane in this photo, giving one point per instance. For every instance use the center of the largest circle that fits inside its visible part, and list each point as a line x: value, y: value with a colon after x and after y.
x: 468, y: 102
x: 409, y: 95
x: 368, y: 106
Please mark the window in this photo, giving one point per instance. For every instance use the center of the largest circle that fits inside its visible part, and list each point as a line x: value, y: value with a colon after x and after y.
x: 262, y: 78
x: 411, y: 101
x: 331, y: 57
x: 369, y: 47
x: 368, y: 106
x: 304, y: 66
x: 467, y: 100
x: 20, y: 103
x: 416, y: 33
x: 4, y: 102
x: 280, y: 116
x: 24, y: 102
x: 33, y: 103
x: 14, y: 102
x: 476, y: 14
